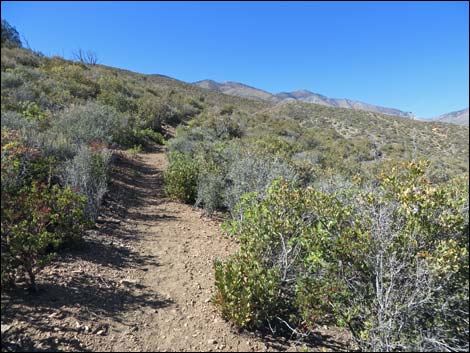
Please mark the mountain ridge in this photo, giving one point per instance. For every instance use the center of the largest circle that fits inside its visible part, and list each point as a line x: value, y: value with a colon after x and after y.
x: 303, y: 95
x: 460, y: 117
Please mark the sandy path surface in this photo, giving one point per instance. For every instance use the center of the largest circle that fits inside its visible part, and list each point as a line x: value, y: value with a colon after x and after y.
x: 144, y: 281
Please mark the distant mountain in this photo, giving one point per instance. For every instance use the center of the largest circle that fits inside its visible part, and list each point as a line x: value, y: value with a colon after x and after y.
x: 310, y: 97
x: 459, y: 117
x: 239, y: 89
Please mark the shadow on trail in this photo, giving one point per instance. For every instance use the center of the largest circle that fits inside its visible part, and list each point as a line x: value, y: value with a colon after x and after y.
x: 69, y: 296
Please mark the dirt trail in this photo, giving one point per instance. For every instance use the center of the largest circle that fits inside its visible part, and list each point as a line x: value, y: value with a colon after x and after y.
x: 143, y: 283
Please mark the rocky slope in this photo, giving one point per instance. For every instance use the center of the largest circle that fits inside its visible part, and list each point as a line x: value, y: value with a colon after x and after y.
x: 241, y: 90
x: 459, y: 117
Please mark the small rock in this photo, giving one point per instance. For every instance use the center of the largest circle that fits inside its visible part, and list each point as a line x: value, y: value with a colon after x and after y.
x: 222, y: 346
x: 207, y: 300
x: 212, y: 341
x: 100, y: 332
x: 5, y: 328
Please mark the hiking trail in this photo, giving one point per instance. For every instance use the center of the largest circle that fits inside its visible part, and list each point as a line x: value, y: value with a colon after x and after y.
x: 143, y: 283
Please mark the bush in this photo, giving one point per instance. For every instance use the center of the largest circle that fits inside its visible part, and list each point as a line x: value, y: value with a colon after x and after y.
x: 247, y: 292
x: 90, y: 122
x: 87, y: 174
x: 21, y: 165
x: 11, y: 80
x: 210, y: 191
x: 181, y: 178
x: 391, y: 263
x: 35, y: 222
x: 410, y: 287
x: 14, y: 121
x: 144, y: 134
x: 283, y: 242
x: 251, y: 172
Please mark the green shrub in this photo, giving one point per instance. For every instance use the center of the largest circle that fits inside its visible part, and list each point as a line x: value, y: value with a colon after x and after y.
x: 247, y: 292
x: 154, y: 136
x: 181, y: 178
x: 390, y: 262
x: 35, y: 222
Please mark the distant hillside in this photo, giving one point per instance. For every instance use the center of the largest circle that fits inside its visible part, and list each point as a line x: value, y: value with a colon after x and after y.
x: 241, y: 90
x: 236, y: 89
x: 459, y: 117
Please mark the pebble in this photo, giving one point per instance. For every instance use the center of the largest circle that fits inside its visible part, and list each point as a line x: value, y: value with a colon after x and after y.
x: 212, y: 341
x: 5, y: 328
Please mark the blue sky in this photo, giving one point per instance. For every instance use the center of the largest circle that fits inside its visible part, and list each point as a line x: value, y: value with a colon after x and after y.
x: 413, y: 56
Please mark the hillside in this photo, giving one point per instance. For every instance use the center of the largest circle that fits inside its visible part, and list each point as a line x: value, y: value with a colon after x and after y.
x: 459, y: 117
x: 140, y: 211
x: 236, y: 89
x: 241, y: 90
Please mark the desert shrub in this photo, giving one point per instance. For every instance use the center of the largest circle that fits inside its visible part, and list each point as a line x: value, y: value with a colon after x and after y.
x: 391, y: 262
x: 247, y: 293
x: 14, y: 121
x: 73, y: 78
x: 37, y: 215
x: 32, y: 112
x: 89, y: 122
x: 188, y: 141
x: 274, y: 145
x: 51, y: 143
x: 410, y: 287
x: 282, y: 242
x: 134, y: 150
x: 251, y: 172
x: 87, y: 174
x: 8, y: 61
x: 143, y: 134
x: 220, y: 127
x: 21, y: 165
x: 11, y: 80
x: 150, y: 112
x: 35, y: 222
x: 210, y: 191
x: 128, y: 137
x: 181, y: 177
x: 118, y: 101
x: 27, y: 57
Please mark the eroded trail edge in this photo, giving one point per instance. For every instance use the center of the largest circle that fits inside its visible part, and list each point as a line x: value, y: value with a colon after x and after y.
x: 144, y: 282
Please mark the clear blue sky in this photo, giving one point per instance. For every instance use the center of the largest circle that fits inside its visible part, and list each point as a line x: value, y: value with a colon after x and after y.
x: 413, y: 56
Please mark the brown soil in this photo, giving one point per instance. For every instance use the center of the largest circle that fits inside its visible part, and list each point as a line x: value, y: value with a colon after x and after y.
x: 143, y: 282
